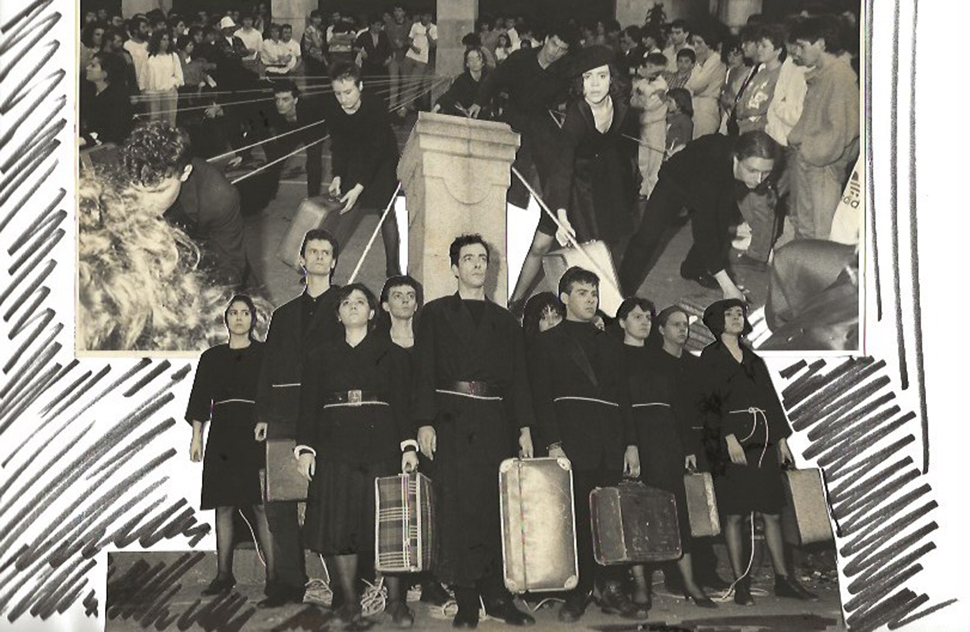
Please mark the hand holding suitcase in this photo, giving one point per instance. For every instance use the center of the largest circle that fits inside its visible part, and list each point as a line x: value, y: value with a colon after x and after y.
x: 311, y: 214
x: 403, y: 536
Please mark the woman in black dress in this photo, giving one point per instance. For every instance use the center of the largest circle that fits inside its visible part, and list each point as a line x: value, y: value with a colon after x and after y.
x: 225, y: 384
x: 461, y: 95
x: 592, y: 187
x: 354, y: 417
x: 660, y: 434
x: 746, y: 435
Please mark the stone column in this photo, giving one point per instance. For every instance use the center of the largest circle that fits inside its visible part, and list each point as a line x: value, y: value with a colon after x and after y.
x: 295, y: 13
x: 455, y: 172
x: 735, y: 13
x: 455, y: 19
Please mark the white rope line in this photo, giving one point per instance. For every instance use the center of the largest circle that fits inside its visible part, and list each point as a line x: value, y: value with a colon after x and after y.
x: 260, y: 142
x: 459, y: 393
x: 255, y: 539
x: 594, y: 400
x: 242, y: 102
x: 370, y: 242
x: 604, y: 277
x: 229, y: 401
x: 280, y: 159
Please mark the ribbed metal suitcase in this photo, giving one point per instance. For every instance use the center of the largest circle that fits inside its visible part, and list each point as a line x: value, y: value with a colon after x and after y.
x: 555, y: 264
x: 310, y: 215
x: 538, y: 525
x: 701, y: 505
x: 404, y: 525
x: 805, y: 519
x: 283, y: 480
x: 633, y: 523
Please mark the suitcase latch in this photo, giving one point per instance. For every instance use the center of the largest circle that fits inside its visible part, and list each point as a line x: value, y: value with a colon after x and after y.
x: 354, y: 397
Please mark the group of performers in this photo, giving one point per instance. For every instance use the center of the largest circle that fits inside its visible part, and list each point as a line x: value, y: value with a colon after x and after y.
x: 365, y: 386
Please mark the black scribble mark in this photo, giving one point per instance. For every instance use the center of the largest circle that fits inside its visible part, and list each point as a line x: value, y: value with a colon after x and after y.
x: 44, y: 273
x: 870, y: 158
x: 16, y: 283
x: 91, y: 605
x: 81, y: 393
x: 58, y: 104
x: 18, y: 400
x: 792, y: 369
x: 40, y: 32
x: 894, y: 201
x: 41, y: 219
x: 895, y: 625
x: 64, y: 393
x: 33, y: 390
x: 31, y: 312
x: 45, y: 319
x: 46, y: 241
x: 847, y: 415
x: 55, y: 599
x: 135, y: 445
x: 221, y: 614
x: 914, y: 249
x: 38, y: 156
x: 140, y: 384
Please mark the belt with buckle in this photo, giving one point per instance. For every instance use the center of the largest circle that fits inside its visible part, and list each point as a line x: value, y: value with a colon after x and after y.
x: 352, y: 397
x: 475, y: 389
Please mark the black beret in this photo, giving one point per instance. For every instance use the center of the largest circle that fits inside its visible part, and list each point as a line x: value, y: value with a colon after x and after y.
x: 592, y: 57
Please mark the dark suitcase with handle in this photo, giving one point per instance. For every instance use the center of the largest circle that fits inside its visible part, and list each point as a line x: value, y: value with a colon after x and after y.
x: 633, y: 523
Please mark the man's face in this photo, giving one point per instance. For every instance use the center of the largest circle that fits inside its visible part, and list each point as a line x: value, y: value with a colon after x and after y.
x: 766, y: 51
x: 676, y: 329
x: 472, y: 266
x: 287, y: 33
x: 734, y: 321
x: 316, y: 21
x: 398, y: 14
x: 348, y: 94
x: 117, y: 43
x: 475, y: 63
x: 274, y: 33
x: 285, y: 103
x: 402, y: 302
x: 684, y: 64
x: 317, y: 258
x: 160, y: 197
x: 701, y: 49
x: 97, y: 36
x: 752, y: 171
x: 678, y: 36
x: 509, y: 23
x: 807, y: 53
x: 637, y: 324
x: 749, y: 49
x: 554, y: 48
x: 650, y: 71
x: 247, y: 22
x: 581, y: 302
x: 143, y: 30
x: 354, y: 310
x: 239, y: 319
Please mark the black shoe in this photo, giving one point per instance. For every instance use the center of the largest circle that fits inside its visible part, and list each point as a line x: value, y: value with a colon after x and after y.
x: 276, y: 600
x: 742, y: 593
x: 505, y: 610
x: 219, y: 586
x: 466, y: 619
x: 615, y: 601
x: 701, y: 601
x: 786, y: 586
x: 434, y: 593
x: 401, y: 615
x: 574, y: 608
x: 703, y: 278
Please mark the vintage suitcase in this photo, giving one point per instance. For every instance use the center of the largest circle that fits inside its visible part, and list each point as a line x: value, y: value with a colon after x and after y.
x: 701, y: 505
x: 282, y: 479
x: 538, y: 525
x: 404, y: 526
x: 555, y: 264
x: 310, y: 215
x: 805, y: 519
x: 633, y: 523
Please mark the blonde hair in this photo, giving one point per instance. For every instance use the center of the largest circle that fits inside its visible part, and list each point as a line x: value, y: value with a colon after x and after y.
x: 139, y: 285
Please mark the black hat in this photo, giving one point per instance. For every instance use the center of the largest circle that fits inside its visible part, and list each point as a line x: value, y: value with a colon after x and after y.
x: 714, y: 316
x: 592, y: 57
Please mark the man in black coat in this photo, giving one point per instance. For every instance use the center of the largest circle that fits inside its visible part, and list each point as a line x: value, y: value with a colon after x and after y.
x: 471, y: 400
x: 297, y: 327
x: 582, y: 405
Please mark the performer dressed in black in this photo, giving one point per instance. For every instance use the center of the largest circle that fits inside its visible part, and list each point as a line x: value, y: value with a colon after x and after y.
x: 660, y: 433
x: 582, y: 405
x: 354, y: 426
x: 223, y: 392
x: 746, y: 434
x: 298, y: 326
x: 471, y: 400
x: 294, y: 111
x: 670, y: 333
x: 365, y: 155
x: 464, y: 89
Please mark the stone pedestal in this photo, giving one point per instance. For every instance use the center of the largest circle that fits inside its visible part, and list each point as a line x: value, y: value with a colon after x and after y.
x: 455, y: 173
x: 455, y: 19
x: 296, y: 13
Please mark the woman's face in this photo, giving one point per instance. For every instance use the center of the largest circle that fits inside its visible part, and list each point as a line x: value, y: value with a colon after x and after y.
x: 93, y: 72
x: 766, y: 51
x: 474, y: 61
x: 753, y: 170
x: 734, y: 321
x: 735, y: 58
x: 163, y: 44
x: 239, y: 319
x: 637, y: 324
x: 701, y: 49
x: 354, y: 310
x: 671, y: 105
x: 676, y: 329
x: 190, y: 47
x: 550, y: 318
x: 97, y: 37
x: 596, y: 84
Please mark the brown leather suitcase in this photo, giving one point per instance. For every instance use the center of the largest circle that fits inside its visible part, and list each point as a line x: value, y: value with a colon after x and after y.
x: 555, y: 264
x: 404, y: 525
x: 805, y: 519
x: 311, y: 214
x: 701, y: 505
x: 282, y: 478
x: 538, y: 525
x: 633, y: 523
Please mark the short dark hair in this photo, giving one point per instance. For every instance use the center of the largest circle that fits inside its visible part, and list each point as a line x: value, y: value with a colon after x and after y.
x: 681, y: 24
x: 347, y: 290
x: 320, y: 234
x: 687, y: 53
x: 399, y: 281
x: 315, y: 14
x: 535, y: 307
x: 345, y: 70
x: 629, y: 304
x: 566, y: 32
x: 778, y: 36
x: 818, y: 28
x: 710, y: 33
x: 285, y: 27
x: 576, y: 275
x: 751, y: 32
x: 154, y: 152
x: 286, y: 85
x: 454, y: 251
x: 657, y: 59
x: 471, y: 40
x: 757, y: 143
x: 135, y: 22
x: 243, y: 298
x: 667, y: 312
x: 633, y: 32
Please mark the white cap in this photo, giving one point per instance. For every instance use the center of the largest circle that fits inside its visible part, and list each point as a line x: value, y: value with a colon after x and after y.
x: 227, y: 23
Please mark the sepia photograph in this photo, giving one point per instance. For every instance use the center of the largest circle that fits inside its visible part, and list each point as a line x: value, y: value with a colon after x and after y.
x: 460, y: 314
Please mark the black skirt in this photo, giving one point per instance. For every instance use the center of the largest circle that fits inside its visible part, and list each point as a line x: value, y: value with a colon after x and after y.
x: 662, y: 459
x: 340, y: 511
x: 742, y: 489
x: 233, y: 458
